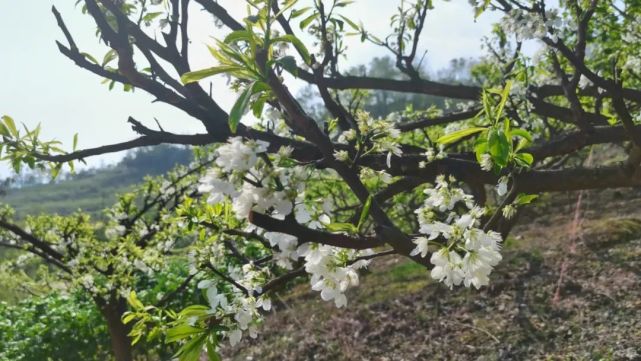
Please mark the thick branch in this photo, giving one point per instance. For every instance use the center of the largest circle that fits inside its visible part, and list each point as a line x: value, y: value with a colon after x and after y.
x: 305, y: 234
x: 162, y: 138
x: 407, y: 86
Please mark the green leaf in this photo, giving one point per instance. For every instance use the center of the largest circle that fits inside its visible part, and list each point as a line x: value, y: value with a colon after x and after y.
x: 90, y: 57
x: 299, y: 12
x: 11, y: 125
x: 288, y: 63
x: 341, y: 4
x: 192, y: 349
x: 522, y: 133
x: 286, y: 7
x: 342, y: 227
x: 258, y: 105
x: 211, y: 351
x: 153, y: 334
x: 54, y: 170
x: 4, y: 131
x: 481, y: 8
x: 524, y: 159
x: 136, y: 338
x: 16, y: 165
x: 454, y: 136
x: 525, y: 141
x: 480, y: 148
x: 134, y: 302
x: 523, y: 198
x: 194, y: 76
x: 151, y: 16
x: 110, y: 56
x: 351, y: 23
x: 487, y: 104
x: 128, y: 317
x: 364, y: 212
x: 305, y: 22
x: 411, y: 24
x: 182, y: 331
x: 238, y: 35
x: 504, y: 95
x: 499, y: 147
x: 339, y: 23
x: 240, y: 107
x: 75, y: 142
x: 288, y: 38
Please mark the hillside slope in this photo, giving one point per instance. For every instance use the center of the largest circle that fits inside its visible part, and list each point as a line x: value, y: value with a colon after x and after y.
x: 94, y: 190
x: 398, y: 313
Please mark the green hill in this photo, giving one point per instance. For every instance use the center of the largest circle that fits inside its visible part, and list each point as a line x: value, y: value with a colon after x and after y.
x: 93, y: 190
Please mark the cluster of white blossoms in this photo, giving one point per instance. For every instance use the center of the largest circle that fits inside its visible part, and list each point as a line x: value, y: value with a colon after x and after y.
x: 527, y: 25
x: 374, y: 136
x: 237, y: 311
x: 333, y: 270
x: 244, y: 176
x: 461, y: 251
x: 432, y: 154
x: 287, y: 247
x: 630, y: 38
x: 251, y: 183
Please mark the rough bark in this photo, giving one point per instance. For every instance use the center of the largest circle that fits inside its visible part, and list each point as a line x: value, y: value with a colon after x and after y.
x: 120, y: 342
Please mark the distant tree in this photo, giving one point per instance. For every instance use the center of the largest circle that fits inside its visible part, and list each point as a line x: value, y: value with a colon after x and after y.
x: 156, y: 160
x: 4, y: 185
x: 380, y: 103
x: 296, y: 196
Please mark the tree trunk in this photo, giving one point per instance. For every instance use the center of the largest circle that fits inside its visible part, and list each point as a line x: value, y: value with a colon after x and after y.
x: 120, y: 342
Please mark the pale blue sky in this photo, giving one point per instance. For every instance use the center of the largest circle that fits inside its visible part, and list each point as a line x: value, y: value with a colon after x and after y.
x: 38, y: 84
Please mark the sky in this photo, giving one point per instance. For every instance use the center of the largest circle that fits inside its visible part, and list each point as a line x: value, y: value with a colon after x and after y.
x: 40, y: 85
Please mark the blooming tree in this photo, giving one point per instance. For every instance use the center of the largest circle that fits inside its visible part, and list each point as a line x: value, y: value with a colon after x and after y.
x: 107, y: 259
x: 280, y: 195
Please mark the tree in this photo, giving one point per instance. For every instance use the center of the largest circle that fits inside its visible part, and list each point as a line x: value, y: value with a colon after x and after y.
x: 107, y: 260
x: 294, y: 196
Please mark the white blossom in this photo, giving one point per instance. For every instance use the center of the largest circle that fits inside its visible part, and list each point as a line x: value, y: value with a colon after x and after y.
x: 237, y: 155
x: 501, y: 187
x: 509, y: 211
x: 341, y: 155
x: 486, y: 162
x: 422, y: 244
x: 235, y: 336
x: 447, y: 267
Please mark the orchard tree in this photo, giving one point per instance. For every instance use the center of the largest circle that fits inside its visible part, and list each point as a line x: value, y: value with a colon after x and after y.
x: 104, y: 261
x: 286, y: 195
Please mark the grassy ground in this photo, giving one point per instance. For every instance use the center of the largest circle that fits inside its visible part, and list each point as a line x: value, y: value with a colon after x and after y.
x: 530, y: 312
